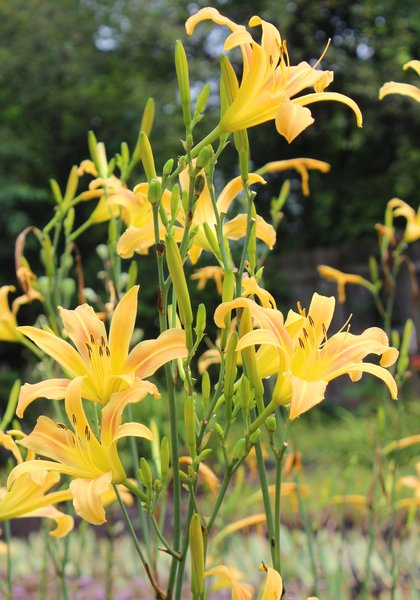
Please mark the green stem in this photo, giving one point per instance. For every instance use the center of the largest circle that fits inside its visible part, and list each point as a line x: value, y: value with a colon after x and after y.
x: 81, y: 229
x: 308, y: 534
x: 9, y: 558
x: 219, y: 223
x: 142, y: 516
x: 277, y: 500
x: 176, y: 555
x: 134, y: 490
x: 207, y: 140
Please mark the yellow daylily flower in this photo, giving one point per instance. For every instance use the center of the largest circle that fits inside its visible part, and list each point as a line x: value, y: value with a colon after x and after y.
x: 239, y: 592
x: 139, y: 239
x: 269, y: 82
x: 28, y: 496
x: 206, y: 273
x: 301, y: 165
x: 94, y: 464
x: 392, y: 87
x: 303, y: 356
x: 8, y: 323
x: 106, y: 363
x: 343, y: 278
x: 402, y: 209
x: 411, y: 482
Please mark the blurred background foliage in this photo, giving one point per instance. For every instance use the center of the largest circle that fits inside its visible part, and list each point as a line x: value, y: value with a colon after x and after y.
x: 72, y: 66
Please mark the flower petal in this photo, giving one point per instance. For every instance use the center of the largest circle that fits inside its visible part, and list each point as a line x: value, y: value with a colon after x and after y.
x: 305, y: 395
x: 52, y: 389
x: 292, y: 119
x: 236, y: 229
x: 148, y: 356
x: 121, y: 330
x: 405, y: 89
x: 321, y: 96
x: 85, y: 329
x: 274, y: 585
x: 232, y: 189
x: 238, y: 591
x: 87, y: 498
x: 65, y: 523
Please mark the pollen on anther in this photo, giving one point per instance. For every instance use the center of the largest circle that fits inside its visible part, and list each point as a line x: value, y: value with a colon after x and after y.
x: 108, y: 353
x: 87, y: 433
x: 92, y: 339
x: 324, y: 330
x: 311, y: 321
x: 301, y: 344
x: 102, y: 341
x: 74, y: 420
x: 89, y: 350
x: 305, y: 333
x: 61, y: 425
x: 101, y: 352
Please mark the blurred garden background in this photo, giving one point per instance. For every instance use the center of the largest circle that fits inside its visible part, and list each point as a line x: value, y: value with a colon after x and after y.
x: 71, y: 66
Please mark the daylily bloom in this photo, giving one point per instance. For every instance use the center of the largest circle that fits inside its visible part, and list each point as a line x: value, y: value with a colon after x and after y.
x: 303, y: 356
x: 139, y: 239
x: 300, y: 164
x: 206, y: 273
x: 343, y: 278
x: 106, y: 363
x: 269, y: 82
x: 402, y: 209
x: 411, y: 482
x: 8, y: 324
x: 391, y: 87
x: 94, y: 464
x: 28, y: 496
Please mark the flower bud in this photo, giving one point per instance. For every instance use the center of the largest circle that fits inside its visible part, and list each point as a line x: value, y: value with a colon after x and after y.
x: 103, y: 252
x: 193, y: 232
x: 259, y: 274
x: 239, y: 449
x: 204, y: 454
x: 69, y: 221
x: 219, y: 430
x: 404, y: 359
x: 254, y: 437
x: 164, y: 460
x: 205, y: 388
x: 211, y: 238
x: 175, y: 201
x: 68, y: 289
x: 199, y: 185
x: 125, y: 153
x: 154, y: 193
x: 146, y: 154
x: 271, y: 424
x: 102, y: 160
x: 55, y: 188
x: 189, y: 418
x: 204, y: 157
x: 181, y: 66
x: 72, y: 184
x: 11, y: 405
x: 148, y: 117
x: 92, y: 144
x: 111, y: 166
x: 47, y: 254
x: 167, y: 167
x: 245, y: 396
x: 183, y: 477
x: 374, y: 271
x: 197, y: 556
x: 176, y: 271
x: 248, y: 355
x: 145, y: 473
x: 191, y: 473
x: 227, y: 296
x: 132, y: 275
x: 230, y: 369
x: 200, y: 321
x: 203, y: 96
x: 205, y: 439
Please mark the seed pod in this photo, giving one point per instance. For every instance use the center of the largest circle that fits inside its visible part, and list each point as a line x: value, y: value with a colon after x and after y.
x: 200, y: 184
x: 254, y: 437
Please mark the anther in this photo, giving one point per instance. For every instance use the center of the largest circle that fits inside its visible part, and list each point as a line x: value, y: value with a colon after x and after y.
x: 87, y: 433
x: 102, y: 341
x: 101, y: 352
x: 74, y: 420
x: 89, y: 350
x: 108, y: 353
x: 301, y: 344
x: 92, y: 339
x: 61, y: 425
x: 302, y: 311
x: 311, y: 321
x: 305, y: 333
x: 324, y: 330
x: 270, y: 58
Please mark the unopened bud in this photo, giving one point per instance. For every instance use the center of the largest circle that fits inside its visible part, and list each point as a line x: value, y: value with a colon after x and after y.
x: 72, y: 184
x: 69, y: 221
x: 181, y: 66
x: 197, y: 556
x: 55, y: 188
x: 184, y: 201
x: 203, y: 96
x: 219, y: 430
x: 200, y: 321
x: 230, y: 369
x: 146, y: 154
x: 102, y: 160
x: 103, y: 252
x: 164, y: 460
x: 154, y: 193
x: 179, y: 282
x: 204, y: 454
x: 204, y: 157
x: 271, y: 424
x: 125, y: 153
x: 148, y: 117
x: 245, y: 396
x: 132, y: 275
x: 175, y: 201
x: 183, y: 477
x: 199, y: 185
x: 205, y: 439
x: 92, y: 144
x: 68, y: 288
x: 167, y: 167
x: 205, y: 388
x: 254, y: 437
x: 239, y: 449
x: 211, y: 238
x: 145, y: 473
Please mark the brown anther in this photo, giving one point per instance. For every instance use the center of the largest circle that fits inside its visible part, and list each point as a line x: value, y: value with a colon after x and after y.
x: 264, y: 566
x: 74, y: 420
x: 324, y: 330
x: 160, y: 248
x: 89, y: 350
x: 108, y: 353
x: 87, y: 433
x: 270, y: 58
x: 92, y: 339
x: 102, y: 341
x: 301, y: 344
x: 101, y: 352
x: 311, y: 321
x: 305, y: 333
x: 61, y: 425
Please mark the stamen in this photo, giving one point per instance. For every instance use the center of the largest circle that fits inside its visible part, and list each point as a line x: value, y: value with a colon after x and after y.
x: 89, y: 350
x: 61, y: 425
x: 270, y: 58
x: 311, y: 321
x: 302, y: 311
x: 108, y: 353
x: 87, y: 433
x: 101, y: 352
x: 324, y: 330
x: 102, y: 341
x: 74, y: 420
x: 305, y: 333
x: 301, y: 344
x: 92, y: 339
